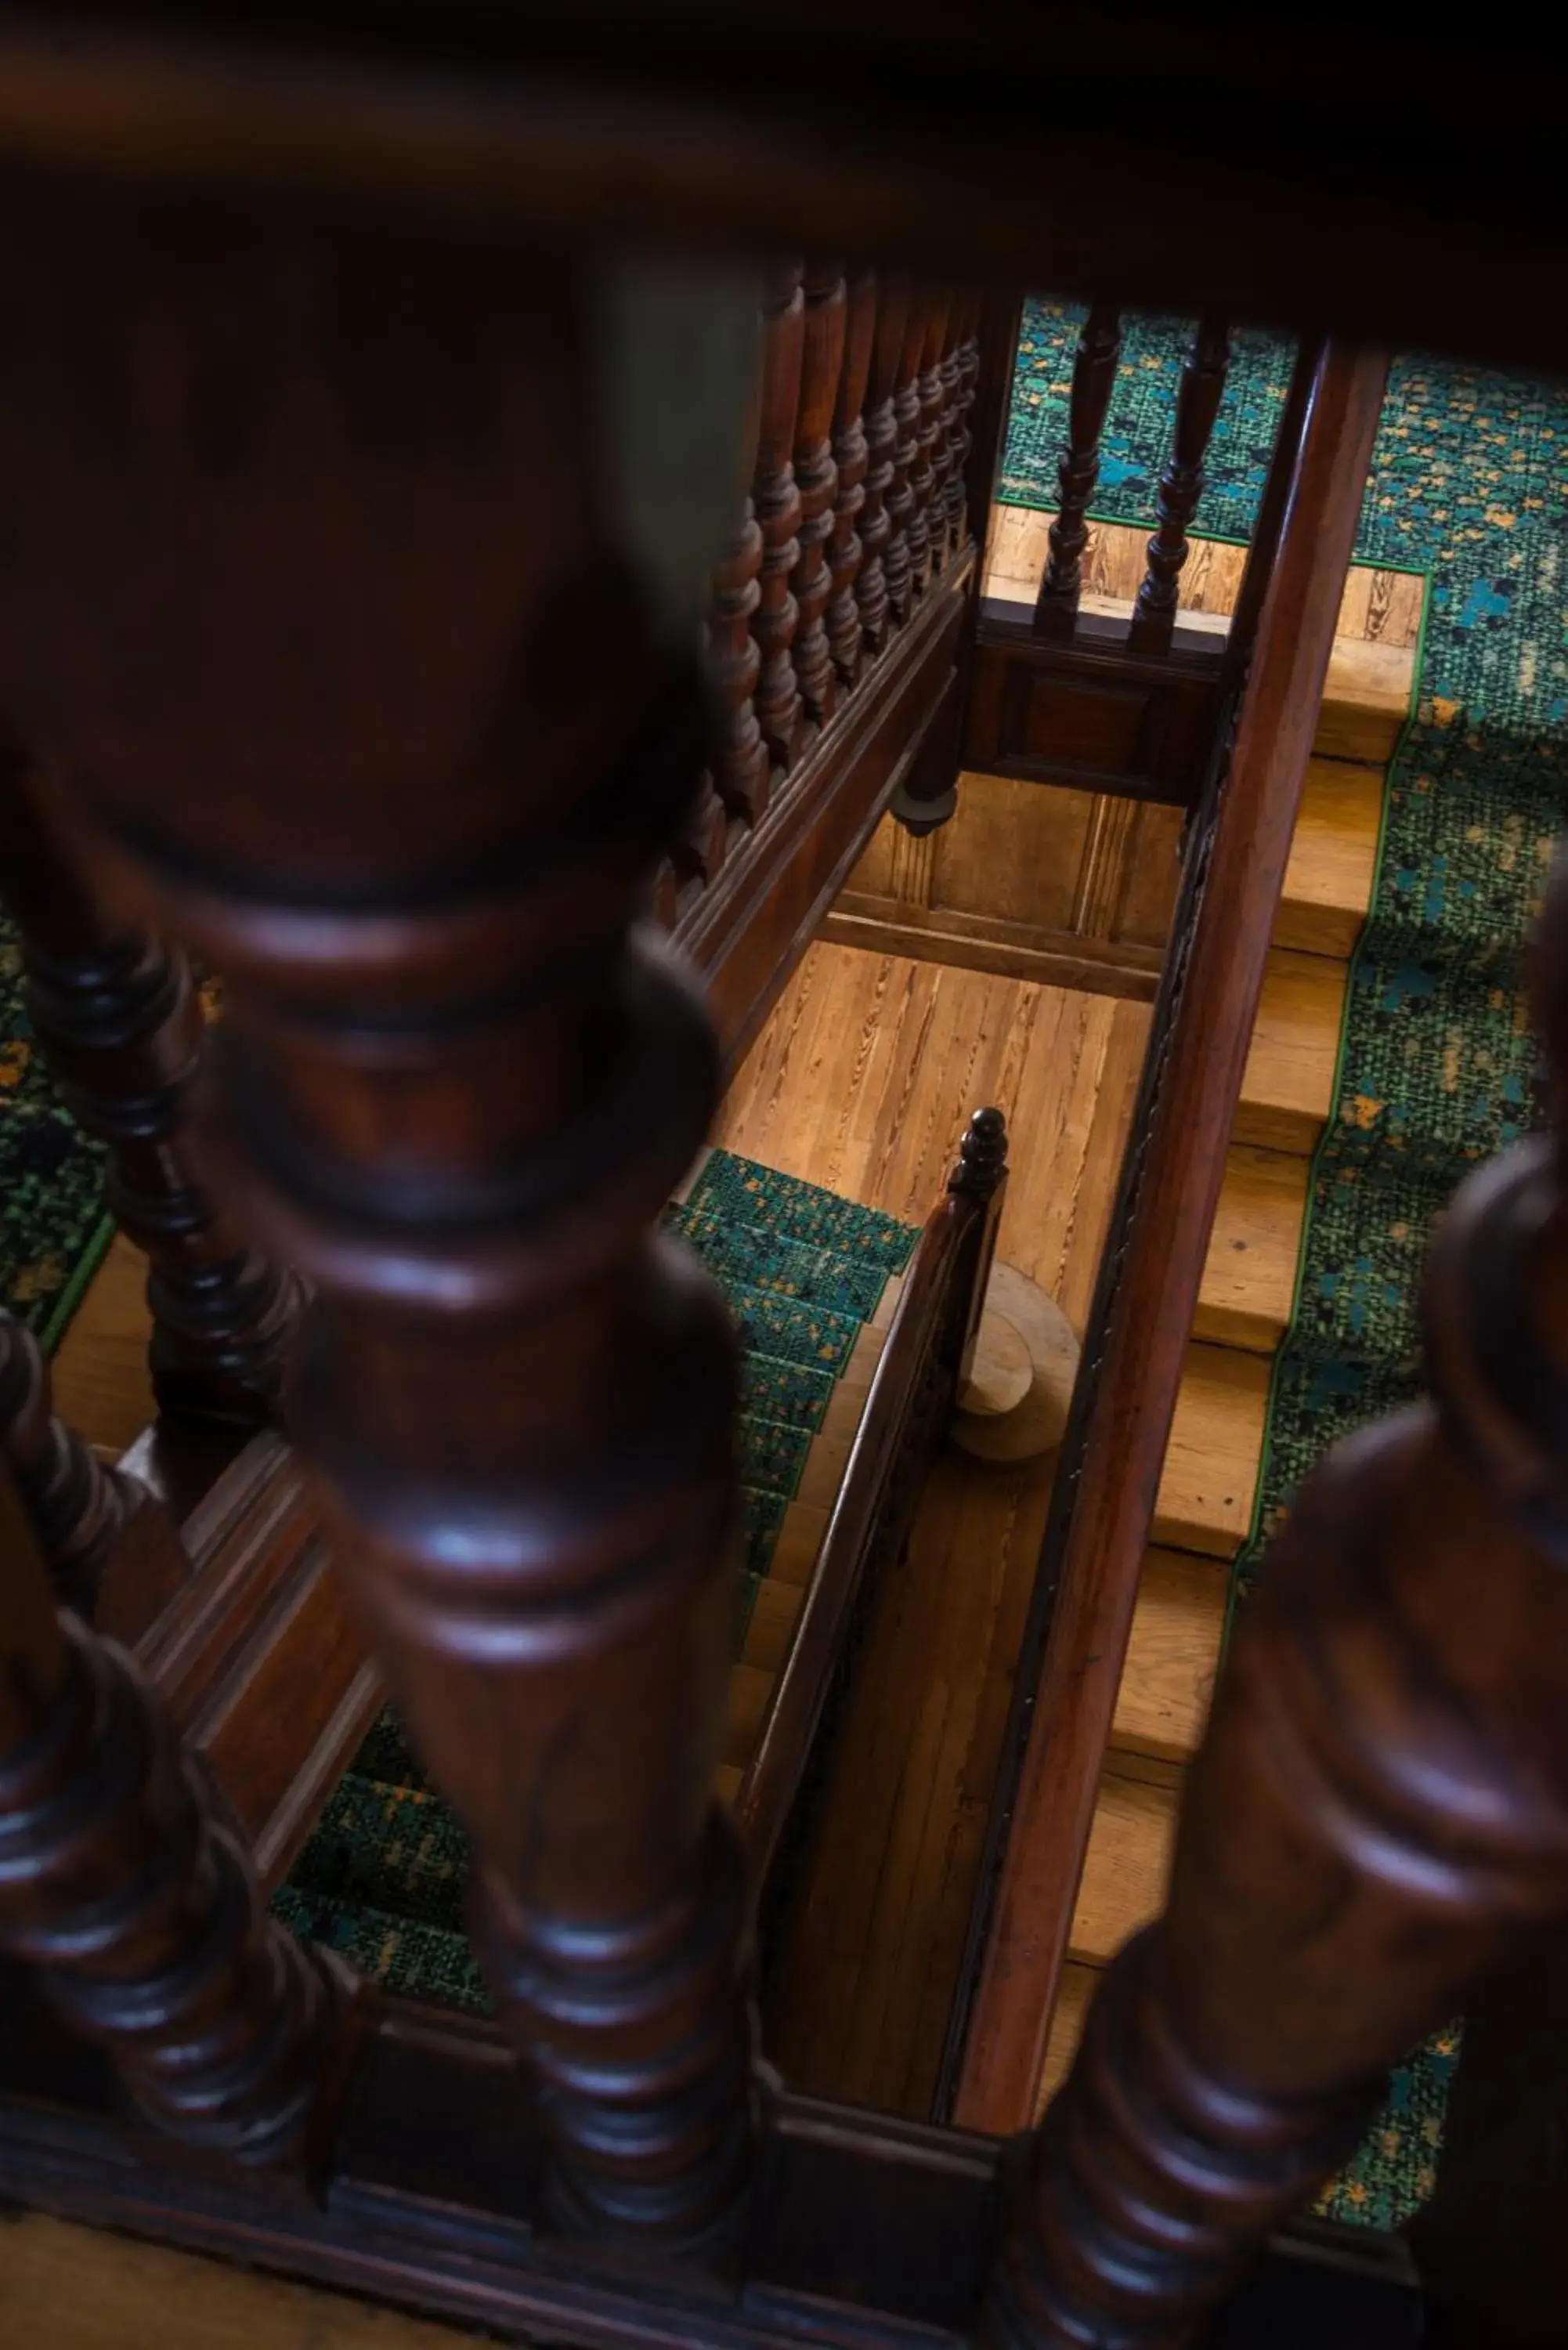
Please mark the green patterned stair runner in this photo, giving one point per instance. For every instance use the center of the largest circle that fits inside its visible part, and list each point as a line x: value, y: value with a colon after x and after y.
x: 382, y: 1878
x: 1469, y: 485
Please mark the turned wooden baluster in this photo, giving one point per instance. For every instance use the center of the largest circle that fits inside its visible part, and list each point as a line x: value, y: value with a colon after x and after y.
x: 885, y: 557
x: 1378, y: 1818
x: 734, y: 663
x: 77, y: 1506
x: 121, y: 1026
x: 846, y: 553
x: 935, y: 455
x: 816, y: 474
x: 961, y: 366
x: 404, y: 787
x: 776, y: 499
x: 901, y: 559
x: 1197, y: 398
x: 141, y: 1912
x: 914, y: 452
x: 1093, y: 378
x: 696, y: 856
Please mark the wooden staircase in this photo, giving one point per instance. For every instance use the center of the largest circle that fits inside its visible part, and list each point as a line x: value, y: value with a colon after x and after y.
x: 1207, y: 1493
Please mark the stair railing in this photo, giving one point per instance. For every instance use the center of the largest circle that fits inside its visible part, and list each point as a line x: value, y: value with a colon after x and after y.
x: 1146, y: 1292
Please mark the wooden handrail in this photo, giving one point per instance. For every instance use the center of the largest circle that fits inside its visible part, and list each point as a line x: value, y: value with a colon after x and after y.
x: 946, y: 1279
x: 1147, y: 1298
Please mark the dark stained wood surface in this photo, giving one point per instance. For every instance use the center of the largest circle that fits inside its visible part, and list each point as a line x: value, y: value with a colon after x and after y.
x: 928, y: 1350
x: 77, y: 1506
x: 816, y: 477
x: 775, y: 499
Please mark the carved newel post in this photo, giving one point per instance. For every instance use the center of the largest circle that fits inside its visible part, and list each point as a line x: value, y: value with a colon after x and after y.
x: 1378, y: 1818
x: 425, y: 736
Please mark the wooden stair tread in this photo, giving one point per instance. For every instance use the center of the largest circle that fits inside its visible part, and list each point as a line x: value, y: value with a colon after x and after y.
x: 1210, y: 1474
x: 1173, y: 1656
x: 1073, y: 1996
x: 1288, y: 1088
x: 1249, y: 1276
x: 1127, y: 1865
x: 1334, y: 856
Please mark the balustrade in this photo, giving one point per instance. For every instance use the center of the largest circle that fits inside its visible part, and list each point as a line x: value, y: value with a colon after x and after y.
x: 77, y: 1506
x: 816, y: 477
x: 1198, y: 397
x: 775, y: 497
x: 1093, y: 375
x: 139, y: 1910
x: 121, y: 1026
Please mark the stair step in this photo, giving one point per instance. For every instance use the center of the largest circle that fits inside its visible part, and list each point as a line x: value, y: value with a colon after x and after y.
x: 1128, y: 1862
x: 1074, y: 1994
x: 1173, y: 1656
x: 1249, y: 1277
x: 1210, y: 1474
x: 1288, y: 1088
x: 1333, y: 855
